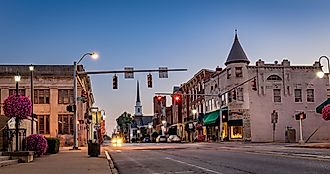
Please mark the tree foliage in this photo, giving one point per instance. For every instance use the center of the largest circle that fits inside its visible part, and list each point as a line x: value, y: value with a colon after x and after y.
x: 123, y: 121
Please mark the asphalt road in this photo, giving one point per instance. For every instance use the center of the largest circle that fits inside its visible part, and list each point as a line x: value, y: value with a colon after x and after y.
x: 225, y: 158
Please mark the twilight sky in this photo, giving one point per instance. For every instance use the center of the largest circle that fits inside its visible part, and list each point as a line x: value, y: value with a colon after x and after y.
x: 146, y: 34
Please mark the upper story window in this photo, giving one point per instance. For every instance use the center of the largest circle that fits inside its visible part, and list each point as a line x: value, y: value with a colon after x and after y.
x: 297, y: 95
x: 65, y: 124
x: 65, y: 96
x: 238, y: 72
x: 20, y: 92
x: 274, y: 77
x: 277, y: 95
x: 41, y: 96
x: 310, y: 95
x: 240, y: 94
x: 228, y: 73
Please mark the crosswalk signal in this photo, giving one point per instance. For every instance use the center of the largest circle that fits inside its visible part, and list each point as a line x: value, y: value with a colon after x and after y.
x: 254, y: 84
x: 115, y: 82
x: 149, y: 79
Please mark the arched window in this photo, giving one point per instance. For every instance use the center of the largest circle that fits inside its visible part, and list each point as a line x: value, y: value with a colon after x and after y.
x: 274, y: 77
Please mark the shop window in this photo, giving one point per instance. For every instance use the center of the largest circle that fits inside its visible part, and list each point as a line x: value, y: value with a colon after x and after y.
x: 20, y: 92
x: 65, y: 124
x: 277, y: 95
x: 310, y: 95
x: 297, y: 95
x: 238, y: 72
x: 43, y: 124
x: 236, y: 132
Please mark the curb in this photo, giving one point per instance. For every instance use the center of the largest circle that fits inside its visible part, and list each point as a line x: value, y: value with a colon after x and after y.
x: 111, y: 164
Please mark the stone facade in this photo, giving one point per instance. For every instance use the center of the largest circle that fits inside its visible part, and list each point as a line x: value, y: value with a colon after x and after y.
x: 53, y: 86
x: 245, y: 113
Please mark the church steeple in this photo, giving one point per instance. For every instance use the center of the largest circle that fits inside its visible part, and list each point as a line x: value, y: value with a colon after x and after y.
x: 236, y: 54
x: 138, y: 106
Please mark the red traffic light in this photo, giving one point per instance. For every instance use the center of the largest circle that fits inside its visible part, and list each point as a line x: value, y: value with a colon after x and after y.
x: 177, y: 98
x: 159, y: 98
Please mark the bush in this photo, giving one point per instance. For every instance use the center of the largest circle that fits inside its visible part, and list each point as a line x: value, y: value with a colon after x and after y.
x: 53, y: 145
x: 37, y: 143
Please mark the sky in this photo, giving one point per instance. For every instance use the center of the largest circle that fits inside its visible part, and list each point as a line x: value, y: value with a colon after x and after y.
x: 147, y: 34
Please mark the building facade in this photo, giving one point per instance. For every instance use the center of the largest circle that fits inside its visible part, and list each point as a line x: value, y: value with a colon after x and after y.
x: 53, y: 92
x: 248, y: 96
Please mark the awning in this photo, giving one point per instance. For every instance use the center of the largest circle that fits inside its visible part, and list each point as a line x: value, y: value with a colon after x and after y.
x: 320, y: 107
x: 211, y: 118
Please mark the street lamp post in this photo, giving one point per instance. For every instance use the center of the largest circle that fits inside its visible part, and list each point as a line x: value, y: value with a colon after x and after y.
x: 17, y: 79
x: 75, y: 130
x: 31, y: 68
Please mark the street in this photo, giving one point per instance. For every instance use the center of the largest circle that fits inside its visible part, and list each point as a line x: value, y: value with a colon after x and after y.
x: 219, y: 158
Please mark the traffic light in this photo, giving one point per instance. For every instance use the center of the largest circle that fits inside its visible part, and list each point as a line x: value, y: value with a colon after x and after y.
x: 233, y: 94
x: 149, y: 78
x: 254, y: 84
x: 159, y: 98
x: 300, y: 115
x: 71, y: 108
x: 177, y: 98
x: 115, y: 82
x: 224, y: 117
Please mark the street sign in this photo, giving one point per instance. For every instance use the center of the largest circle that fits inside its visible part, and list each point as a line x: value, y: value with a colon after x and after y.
x: 163, y: 72
x: 129, y: 74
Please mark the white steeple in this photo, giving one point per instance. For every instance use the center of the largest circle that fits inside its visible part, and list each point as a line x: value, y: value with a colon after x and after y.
x: 138, y: 106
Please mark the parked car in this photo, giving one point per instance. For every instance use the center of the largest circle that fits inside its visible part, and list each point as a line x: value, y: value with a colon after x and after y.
x: 161, y: 139
x: 146, y: 140
x: 174, y: 139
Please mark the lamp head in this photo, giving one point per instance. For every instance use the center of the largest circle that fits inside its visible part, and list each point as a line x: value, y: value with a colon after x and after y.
x: 17, y: 78
x: 164, y: 122
x: 31, y: 67
x: 320, y: 74
x: 94, y: 55
x: 194, y: 111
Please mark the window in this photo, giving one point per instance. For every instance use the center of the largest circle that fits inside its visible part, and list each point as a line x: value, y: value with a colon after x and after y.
x: 297, y: 95
x: 228, y: 73
x: 20, y: 91
x: 310, y: 95
x: 274, y: 77
x: 41, y: 96
x: 277, y: 95
x: 65, y: 124
x: 238, y: 72
x: 240, y: 94
x: 65, y: 96
x: 43, y: 124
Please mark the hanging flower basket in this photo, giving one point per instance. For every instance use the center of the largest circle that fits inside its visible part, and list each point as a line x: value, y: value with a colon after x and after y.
x: 17, y: 106
x: 326, y: 112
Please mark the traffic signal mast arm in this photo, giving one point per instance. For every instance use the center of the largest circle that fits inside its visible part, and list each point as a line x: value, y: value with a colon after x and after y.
x: 123, y: 71
x: 163, y: 93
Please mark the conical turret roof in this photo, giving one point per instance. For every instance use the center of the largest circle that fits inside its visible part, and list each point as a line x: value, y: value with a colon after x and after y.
x: 236, y: 54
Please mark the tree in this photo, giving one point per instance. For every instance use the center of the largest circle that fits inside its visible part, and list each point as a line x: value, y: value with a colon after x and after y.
x: 123, y: 122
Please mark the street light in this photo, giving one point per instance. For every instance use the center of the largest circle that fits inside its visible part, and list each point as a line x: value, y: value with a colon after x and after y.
x: 31, y: 68
x: 17, y: 79
x: 75, y: 130
x: 194, y: 111
x: 320, y: 74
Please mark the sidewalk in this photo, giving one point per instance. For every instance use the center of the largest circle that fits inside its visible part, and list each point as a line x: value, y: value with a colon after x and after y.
x: 312, y: 145
x: 65, y: 162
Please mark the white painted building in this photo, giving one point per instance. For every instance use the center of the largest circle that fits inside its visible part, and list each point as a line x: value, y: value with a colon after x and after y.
x: 280, y: 87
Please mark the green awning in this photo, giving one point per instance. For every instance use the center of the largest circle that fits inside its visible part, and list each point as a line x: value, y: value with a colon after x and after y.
x: 320, y: 107
x: 211, y: 118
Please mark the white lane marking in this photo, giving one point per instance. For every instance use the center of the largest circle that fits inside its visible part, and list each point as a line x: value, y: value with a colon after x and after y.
x: 209, y: 170
x: 188, y: 171
x: 118, y: 150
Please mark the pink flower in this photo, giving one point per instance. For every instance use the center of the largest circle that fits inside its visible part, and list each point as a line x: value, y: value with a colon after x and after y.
x: 17, y: 106
x: 326, y: 112
x: 37, y: 143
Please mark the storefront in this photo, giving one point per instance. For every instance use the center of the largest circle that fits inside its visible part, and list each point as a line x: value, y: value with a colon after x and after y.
x: 212, y: 122
x: 236, y: 129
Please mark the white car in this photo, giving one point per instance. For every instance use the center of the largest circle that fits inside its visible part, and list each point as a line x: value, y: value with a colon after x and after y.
x: 174, y: 139
x: 161, y: 139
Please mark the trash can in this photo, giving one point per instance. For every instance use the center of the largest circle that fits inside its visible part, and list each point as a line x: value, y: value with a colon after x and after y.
x: 290, y: 135
x: 93, y: 149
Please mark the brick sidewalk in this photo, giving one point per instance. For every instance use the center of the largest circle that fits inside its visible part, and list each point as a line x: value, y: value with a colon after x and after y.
x: 65, y: 162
